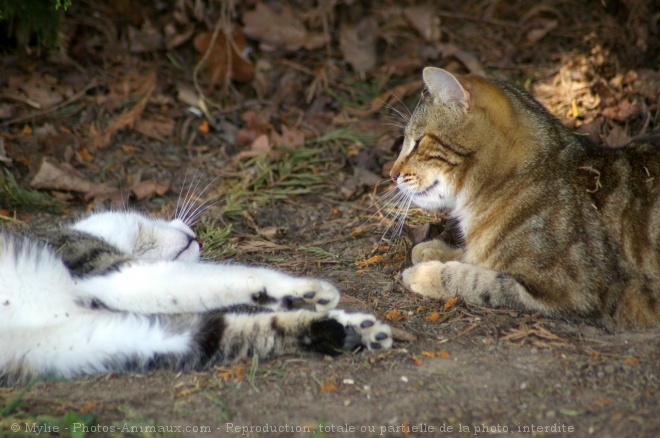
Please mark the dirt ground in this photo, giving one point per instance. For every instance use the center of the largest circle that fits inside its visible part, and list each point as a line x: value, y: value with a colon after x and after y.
x: 288, y: 148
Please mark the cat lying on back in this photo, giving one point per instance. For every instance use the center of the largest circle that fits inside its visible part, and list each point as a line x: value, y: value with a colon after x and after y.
x: 552, y: 223
x: 123, y: 292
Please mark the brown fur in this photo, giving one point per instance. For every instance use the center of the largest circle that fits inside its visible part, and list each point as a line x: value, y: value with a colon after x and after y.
x: 552, y: 223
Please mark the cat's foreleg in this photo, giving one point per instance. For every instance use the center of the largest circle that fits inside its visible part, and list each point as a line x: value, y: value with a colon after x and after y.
x: 273, y: 334
x: 476, y: 285
x: 436, y: 250
x: 174, y: 287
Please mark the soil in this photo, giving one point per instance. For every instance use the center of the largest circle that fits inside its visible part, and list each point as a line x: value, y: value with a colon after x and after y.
x: 455, y: 369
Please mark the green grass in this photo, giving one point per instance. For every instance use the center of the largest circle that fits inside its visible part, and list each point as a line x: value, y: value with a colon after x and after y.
x: 22, y: 424
x: 28, y: 199
x: 215, y: 239
x: 302, y: 171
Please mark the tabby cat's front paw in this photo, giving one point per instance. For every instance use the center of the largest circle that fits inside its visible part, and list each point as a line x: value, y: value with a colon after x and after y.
x: 426, y: 279
x: 300, y: 293
x: 435, y: 250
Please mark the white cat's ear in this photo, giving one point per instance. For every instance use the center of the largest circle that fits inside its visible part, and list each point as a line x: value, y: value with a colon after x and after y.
x: 445, y: 88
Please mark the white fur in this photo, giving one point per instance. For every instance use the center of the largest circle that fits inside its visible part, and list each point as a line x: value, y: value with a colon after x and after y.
x: 47, y: 324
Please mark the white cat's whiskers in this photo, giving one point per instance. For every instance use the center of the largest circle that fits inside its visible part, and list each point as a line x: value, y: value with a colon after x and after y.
x: 190, y: 210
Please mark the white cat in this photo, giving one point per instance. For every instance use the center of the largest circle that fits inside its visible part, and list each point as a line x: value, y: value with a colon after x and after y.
x: 119, y: 291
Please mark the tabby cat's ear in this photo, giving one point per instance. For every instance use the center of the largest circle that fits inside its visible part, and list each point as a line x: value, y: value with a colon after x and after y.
x: 445, y: 88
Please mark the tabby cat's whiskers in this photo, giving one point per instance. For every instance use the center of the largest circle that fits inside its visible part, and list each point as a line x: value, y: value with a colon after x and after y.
x: 393, y: 206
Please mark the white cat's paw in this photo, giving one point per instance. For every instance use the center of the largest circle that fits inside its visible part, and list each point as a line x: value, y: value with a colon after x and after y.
x: 363, y: 329
x: 299, y: 293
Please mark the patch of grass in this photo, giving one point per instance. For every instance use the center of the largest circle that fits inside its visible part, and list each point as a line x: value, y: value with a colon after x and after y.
x: 302, y: 171
x: 356, y: 93
x: 252, y: 375
x: 72, y: 424
x: 215, y: 240
x: 224, y: 414
x: 347, y: 135
x: 31, y: 200
x: 319, y: 252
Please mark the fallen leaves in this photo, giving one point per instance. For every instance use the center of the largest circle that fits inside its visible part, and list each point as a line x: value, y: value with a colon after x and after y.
x: 224, y: 56
x: 395, y: 315
x: 449, y: 303
x: 53, y: 176
x: 370, y: 261
x: 441, y: 354
x: 149, y: 188
x: 358, y: 44
x: 144, y: 86
x: 536, y: 334
x: 281, y: 29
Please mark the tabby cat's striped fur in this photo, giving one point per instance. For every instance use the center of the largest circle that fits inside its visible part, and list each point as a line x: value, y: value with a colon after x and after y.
x: 552, y: 223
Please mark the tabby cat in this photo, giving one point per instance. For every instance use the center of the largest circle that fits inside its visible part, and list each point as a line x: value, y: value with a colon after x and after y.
x: 118, y: 291
x: 551, y: 222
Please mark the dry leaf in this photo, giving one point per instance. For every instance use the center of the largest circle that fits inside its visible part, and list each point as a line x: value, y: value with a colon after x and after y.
x: 451, y: 302
x: 256, y: 123
x: 52, y: 176
x: 290, y: 137
x: 282, y: 29
x: 443, y: 354
x: 147, y: 189
x: 369, y: 261
x: 395, y: 315
x: 87, y: 407
x: 616, y: 137
x: 330, y: 385
x: 358, y: 44
x: 221, y: 63
x: 603, y: 402
x: 631, y: 361
x: 39, y: 90
x: 360, y: 180
x: 203, y: 127
x: 145, y: 84
x: 424, y: 20
x: 157, y: 126
x: 623, y: 111
x: 146, y: 39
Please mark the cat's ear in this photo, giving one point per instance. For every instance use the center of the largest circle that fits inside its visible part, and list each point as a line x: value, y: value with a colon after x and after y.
x: 445, y: 88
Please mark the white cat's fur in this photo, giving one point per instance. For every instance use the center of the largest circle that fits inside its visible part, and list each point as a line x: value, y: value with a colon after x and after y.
x: 155, y: 305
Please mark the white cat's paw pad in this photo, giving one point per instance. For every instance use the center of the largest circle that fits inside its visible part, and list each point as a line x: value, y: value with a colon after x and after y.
x: 310, y: 294
x: 319, y: 295
x: 364, y: 329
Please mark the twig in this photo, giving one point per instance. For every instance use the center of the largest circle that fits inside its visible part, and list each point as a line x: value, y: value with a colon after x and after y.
x: 46, y: 111
x: 223, y: 25
x: 494, y: 21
